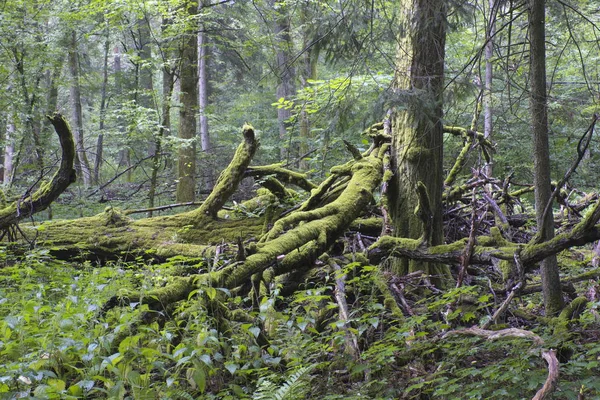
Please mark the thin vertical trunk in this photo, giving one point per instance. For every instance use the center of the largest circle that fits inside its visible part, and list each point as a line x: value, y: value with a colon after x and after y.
x: 286, y: 73
x: 100, y: 140
x: 186, y: 171
x: 82, y: 165
x: 417, y: 137
x: 489, y: 75
x: 203, y: 88
x: 168, y: 85
x: 309, y: 73
x: 118, y: 74
x: 208, y: 173
x: 9, y: 149
x: 29, y: 107
x: 553, y: 301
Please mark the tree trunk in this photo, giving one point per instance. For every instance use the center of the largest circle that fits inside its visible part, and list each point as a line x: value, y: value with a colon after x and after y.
x: 208, y: 174
x: 489, y: 75
x: 81, y: 163
x: 31, y: 203
x: 285, y: 73
x: 186, y: 171
x: 203, y: 88
x: 100, y: 140
x: 553, y: 302
x: 417, y: 137
x: 309, y: 67
x: 168, y: 84
x: 9, y: 149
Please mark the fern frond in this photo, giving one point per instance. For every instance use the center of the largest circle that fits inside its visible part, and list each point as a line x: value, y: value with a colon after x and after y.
x: 180, y: 394
x: 293, y: 388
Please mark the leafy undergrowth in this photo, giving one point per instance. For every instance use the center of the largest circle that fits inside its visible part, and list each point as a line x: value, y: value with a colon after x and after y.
x: 55, y: 344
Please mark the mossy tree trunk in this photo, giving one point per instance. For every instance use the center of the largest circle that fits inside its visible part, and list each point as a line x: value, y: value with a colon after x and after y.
x: 553, y: 301
x: 31, y: 203
x: 417, y: 136
x: 286, y: 73
x: 186, y: 167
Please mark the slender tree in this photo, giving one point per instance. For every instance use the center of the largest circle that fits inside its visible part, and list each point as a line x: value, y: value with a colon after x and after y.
x: 417, y: 136
x: 9, y: 149
x: 81, y: 165
x: 103, y: 103
x: 203, y: 84
x: 284, y: 68
x: 553, y: 301
x: 188, y: 75
x: 489, y: 75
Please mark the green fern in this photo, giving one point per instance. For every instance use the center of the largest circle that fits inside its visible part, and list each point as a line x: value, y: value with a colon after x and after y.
x: 293, y: 388
x: 180, y: 394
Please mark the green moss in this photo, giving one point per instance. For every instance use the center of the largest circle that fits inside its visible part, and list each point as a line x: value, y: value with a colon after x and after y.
x: 507, y: 269
x: 573, y: 310
x: 497, y: 236
x: 388, y: 298
x: 372, y: 225
x: 416, y: 154
x: 454, y: 247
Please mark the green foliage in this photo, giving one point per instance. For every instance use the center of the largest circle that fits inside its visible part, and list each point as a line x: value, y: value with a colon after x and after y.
x: 55, y: 343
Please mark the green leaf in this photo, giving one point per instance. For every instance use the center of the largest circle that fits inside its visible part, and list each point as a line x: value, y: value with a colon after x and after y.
x: 211, y: 293
x: 231, y: 367
x: 255, y: 330
x: 57, y: 384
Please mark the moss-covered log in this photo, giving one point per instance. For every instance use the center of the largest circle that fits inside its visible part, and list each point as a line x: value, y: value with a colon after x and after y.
x: 112, y: 234
x: 295, y: 241
x: 489, y: 248
x: 31, y: 203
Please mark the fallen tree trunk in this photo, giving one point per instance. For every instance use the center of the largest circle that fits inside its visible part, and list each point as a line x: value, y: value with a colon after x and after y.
x: 489, y: 248
x: 113, y: 235
x: 294, y: 242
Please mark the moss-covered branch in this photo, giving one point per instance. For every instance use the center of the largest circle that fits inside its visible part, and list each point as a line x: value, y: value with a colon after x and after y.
x: 295, y: 242
x: 229, y: 179
x: 30, y: 204
x: 284, y: 175
x: 487, y: 248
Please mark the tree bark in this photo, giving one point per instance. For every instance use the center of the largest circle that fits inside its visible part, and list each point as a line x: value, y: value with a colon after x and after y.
x: 31, y: 203
x: 285, y: 73
x: 9, y: 149
x: 100, y: 140
x: 551, y: 288
x: 186, y: 171
x: 417, y: 137
x: 489, y: 75
x: 81, y: 164
x: 203, y: 87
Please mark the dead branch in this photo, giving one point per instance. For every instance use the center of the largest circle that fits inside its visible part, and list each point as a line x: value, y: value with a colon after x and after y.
x: 496, y: 335
x: 340, y: 297
x: 504, y: 306
x: 552, y: 380
x: 229, y: 179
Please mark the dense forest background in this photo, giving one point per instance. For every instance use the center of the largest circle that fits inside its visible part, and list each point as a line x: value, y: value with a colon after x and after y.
x: 156, y: 94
